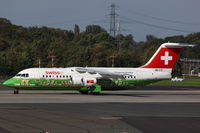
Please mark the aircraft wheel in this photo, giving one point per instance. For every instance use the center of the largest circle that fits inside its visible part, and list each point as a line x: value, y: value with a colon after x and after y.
x: 83, y: 92
x: 91, y: 89
x: 16, y: 91
x: 95, y: 93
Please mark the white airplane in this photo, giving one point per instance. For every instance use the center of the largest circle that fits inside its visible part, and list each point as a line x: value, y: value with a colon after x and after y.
x: 94, y: 79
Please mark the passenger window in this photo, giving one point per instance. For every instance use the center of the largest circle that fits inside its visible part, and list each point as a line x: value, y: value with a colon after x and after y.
x: 49, y: 76
x: 43, y: 76
x: 23, y: 75
x: 46, y: 76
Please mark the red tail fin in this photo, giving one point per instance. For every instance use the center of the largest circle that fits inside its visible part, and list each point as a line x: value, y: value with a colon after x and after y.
x: 166, y: 56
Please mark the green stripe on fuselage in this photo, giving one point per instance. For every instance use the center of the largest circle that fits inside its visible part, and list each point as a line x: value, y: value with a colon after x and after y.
x: 66, y: 84
x: 41, y: 84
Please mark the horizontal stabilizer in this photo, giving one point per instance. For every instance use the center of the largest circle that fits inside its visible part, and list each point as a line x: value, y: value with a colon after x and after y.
x: 177, y: 45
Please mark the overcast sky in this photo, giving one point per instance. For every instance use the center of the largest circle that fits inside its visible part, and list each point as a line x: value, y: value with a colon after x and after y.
x: 137, y: 17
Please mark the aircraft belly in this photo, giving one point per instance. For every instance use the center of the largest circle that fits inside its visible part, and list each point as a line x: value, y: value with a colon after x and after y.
x: 49, y: 87
x: 124, y: 84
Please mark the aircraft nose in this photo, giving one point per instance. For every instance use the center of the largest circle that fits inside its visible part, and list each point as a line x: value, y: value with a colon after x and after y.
x: 8, y: 82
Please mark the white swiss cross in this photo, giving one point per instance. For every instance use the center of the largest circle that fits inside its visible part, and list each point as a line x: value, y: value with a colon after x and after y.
x: 166, y: 58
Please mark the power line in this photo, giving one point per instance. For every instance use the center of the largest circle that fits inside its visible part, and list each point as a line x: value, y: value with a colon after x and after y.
x: 158, y: 26
x: 164, y: 19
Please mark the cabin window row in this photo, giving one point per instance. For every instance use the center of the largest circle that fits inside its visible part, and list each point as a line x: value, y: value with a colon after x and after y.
x: 56, y: 76
x: 129, y: 77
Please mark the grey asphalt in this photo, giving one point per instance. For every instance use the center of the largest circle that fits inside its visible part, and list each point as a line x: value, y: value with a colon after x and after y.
x: 100, y: 118
x: 130, y: 111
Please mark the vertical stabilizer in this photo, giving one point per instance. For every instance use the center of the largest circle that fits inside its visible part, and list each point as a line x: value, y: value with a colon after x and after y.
x: 166, y: 56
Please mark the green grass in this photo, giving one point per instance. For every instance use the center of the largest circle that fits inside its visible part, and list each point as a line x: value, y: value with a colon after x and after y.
x: 186, y: 82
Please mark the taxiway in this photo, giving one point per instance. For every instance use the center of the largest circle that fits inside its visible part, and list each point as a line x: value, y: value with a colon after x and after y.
x: 130, y: 111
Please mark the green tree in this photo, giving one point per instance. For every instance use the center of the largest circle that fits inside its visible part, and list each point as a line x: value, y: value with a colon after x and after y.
x: 21, y: 47
x: 94, y: 29
x: 76, y: 29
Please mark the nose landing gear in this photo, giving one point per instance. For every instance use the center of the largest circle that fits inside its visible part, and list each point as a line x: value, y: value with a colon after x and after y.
x: 16, y: 91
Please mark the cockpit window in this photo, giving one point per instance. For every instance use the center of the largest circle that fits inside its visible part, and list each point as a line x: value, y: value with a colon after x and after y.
x: 26, y: 75
x: 22, y: 75
x: 18, y: 75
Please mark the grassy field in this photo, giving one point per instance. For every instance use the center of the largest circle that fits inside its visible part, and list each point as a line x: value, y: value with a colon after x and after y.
x: 186, y: 82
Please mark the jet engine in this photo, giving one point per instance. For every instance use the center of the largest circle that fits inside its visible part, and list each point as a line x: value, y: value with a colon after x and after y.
x: 83, y: 81
x: 89, y: 81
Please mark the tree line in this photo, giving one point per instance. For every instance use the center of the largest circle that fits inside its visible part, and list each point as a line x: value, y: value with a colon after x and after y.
x: 23, y: 47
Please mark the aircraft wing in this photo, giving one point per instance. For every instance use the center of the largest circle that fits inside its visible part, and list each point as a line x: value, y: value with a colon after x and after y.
x: 103, y: 73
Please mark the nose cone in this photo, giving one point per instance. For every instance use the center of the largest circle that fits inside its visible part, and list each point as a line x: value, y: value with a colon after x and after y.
x: 9, y: 82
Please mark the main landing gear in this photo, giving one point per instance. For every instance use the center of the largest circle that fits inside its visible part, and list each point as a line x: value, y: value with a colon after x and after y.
x: 94, y: 90
x: 16, y: 91
x: 84, y: 92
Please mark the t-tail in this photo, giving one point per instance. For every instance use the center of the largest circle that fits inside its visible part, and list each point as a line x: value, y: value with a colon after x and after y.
x: 166, y: 56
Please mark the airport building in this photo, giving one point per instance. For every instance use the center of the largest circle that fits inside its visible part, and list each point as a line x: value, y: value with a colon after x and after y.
x: 190, y: 67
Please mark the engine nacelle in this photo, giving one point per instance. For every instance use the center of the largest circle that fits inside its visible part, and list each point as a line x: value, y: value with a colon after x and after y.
x: 77, y: 80
x: 89, y: 81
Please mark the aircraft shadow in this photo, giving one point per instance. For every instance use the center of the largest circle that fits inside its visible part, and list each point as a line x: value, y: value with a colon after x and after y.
x: 122, y: 94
